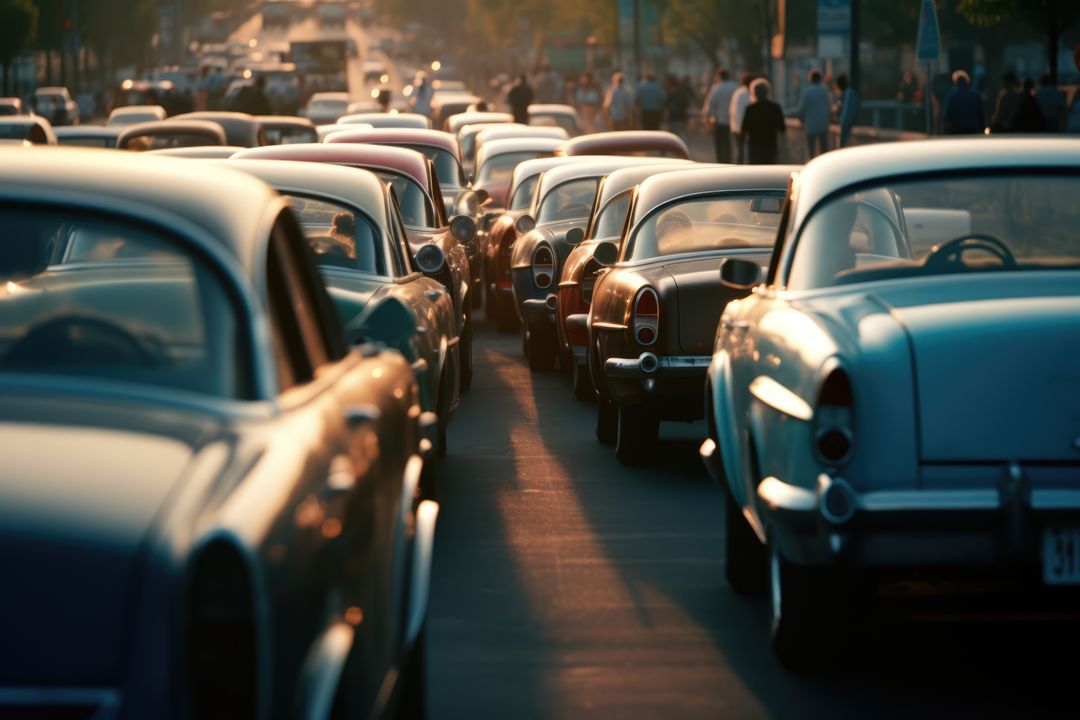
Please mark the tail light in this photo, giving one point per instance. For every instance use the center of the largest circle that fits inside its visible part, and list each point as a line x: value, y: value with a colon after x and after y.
x: 834, y: 437
x: 543, y: 266
x: 646, y: 318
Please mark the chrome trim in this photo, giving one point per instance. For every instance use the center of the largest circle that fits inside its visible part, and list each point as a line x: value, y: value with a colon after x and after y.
x: 685, y: 361
x: 324, y: 667
x: 779, y: 398
x: 915, y: 500
x: 779, y: 495
x: 106, y: 700
x: 633, y: 368
x: 419, y: 366
x: 603, y: 325
x: 427, y: 515
x: 827, y: 484
x: 1055, y: 499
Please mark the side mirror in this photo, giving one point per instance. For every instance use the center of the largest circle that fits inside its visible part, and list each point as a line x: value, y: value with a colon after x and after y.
x: 606, y: 253
x: 463, y: 228
x: 740, y: 274
x: 575, y: 235
x: 524, y: 224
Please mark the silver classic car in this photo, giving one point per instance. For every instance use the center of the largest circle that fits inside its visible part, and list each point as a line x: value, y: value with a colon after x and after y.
x: 208, y: 504
x: 877, y: 405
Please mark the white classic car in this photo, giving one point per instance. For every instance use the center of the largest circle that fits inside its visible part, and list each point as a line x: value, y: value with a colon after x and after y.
x: 881, y: 404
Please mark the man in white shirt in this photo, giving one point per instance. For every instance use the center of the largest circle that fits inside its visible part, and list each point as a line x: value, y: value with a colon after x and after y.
x: 717, y: 113
x: 740, y: 100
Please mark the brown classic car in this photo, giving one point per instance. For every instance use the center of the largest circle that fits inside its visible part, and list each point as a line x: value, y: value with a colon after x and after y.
x: 164, y: 134
x: 653, y: 315
x: 643, y: 143
x: 437, y: 243
x: 564, y: 198
x: 241, y: 129
x: 202, y: 484
x: 583, y: 267
x: 287, y: 129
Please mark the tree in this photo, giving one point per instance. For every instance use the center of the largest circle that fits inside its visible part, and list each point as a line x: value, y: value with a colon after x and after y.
x: 18, y: 25
x: 1051, y: 18
x: 717, y: 25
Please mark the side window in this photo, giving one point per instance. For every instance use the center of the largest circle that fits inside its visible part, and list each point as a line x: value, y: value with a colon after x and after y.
x: 436, y: 191
x: 293, y: 365
x: 782, y: 241
x: 398, y: 237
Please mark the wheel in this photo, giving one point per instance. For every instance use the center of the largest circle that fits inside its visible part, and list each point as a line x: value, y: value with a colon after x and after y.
x: 583, y: 387
x: 791, y: 611
x: 539, y: 349
x: 745, y: 559
x: 412, y: 682
x: 635, y: 434
x: 466, y: 354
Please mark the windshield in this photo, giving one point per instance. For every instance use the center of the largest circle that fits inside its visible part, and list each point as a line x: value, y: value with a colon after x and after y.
x: 90, y: 297
x: 568, y: 201
x: 163, y: 141
x: 289, y: 135
x: 708, y: 223
x: 339, y: 237
x: 447, y: 169
x: 416, y: 211
x: 87, y: 141
x: 14, y: 131
x: 940, y: 225
x: 500, y: 168
x: 523, y: 195
x: 610, y: 221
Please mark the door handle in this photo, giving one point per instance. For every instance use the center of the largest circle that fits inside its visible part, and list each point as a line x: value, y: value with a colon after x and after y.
x: 434, y: 294
x: 362, y: 414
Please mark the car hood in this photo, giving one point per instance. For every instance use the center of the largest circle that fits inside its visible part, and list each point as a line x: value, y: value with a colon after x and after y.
x: 997, y: 373
x: 82, y: 487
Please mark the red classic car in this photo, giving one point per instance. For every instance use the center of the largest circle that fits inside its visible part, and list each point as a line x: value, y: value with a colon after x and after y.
x: 437, y: 242
x: 643, y: 143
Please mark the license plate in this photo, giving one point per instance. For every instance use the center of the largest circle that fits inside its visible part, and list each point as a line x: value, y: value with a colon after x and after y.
x: 1061, y: 556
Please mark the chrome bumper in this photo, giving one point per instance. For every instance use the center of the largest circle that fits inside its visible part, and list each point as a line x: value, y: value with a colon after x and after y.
x: 649, y: 365
x: 536, y: 311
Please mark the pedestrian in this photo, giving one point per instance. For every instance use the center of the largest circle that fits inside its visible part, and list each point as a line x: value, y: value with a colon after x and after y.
x: 963, y: 111
x: 588, y: 100
x: 1051, y: 104
x: 650, y: 99
x: 740, y: 100
x: 252, y: 98
x: 694, y: 99
x: 1007, y: 105
x: 814, y: 110
x: 383, y: 97
x: 676, y: 106
x: 548, y: 85
x: 848, y: 110
x: 619, y: 103
x: 520, y: 98
x: 716, y: 113
x: 762, y: 125
x: 422, y: 94
x: 1029, y: 117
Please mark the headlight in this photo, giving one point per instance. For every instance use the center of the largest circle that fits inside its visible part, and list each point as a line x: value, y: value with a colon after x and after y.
x: 430, y: 259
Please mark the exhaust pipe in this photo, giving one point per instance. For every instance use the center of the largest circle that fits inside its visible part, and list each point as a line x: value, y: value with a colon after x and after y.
x: 552, y: 302
x: 649, y: 363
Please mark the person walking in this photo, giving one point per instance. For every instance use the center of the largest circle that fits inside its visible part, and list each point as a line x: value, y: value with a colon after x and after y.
x: 548, y: 85
x: 1051, y: 104
x: 963, y: 111
x: 762, y: 125
x: 717, y: 115
x: 422, y: 94
x: 740, y: 100
x: 813, y: 110
x: 619, y: 103
x: 1029, y: 118
x: 1007, y: 105
x: 252, y: 98
x: 676, y: 106
x: 848, y: 110
x: 588, y: 100
x: 650, y: 99
x: 520, y: 98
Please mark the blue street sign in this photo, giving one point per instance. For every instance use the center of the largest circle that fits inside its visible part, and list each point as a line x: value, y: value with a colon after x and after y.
x: 928, y: 45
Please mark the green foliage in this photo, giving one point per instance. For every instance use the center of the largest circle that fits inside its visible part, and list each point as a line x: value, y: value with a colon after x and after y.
x: 18, y: 26
x: 715, y: 24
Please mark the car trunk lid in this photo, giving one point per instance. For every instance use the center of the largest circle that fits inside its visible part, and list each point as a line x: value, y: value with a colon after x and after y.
x: 702, y: 299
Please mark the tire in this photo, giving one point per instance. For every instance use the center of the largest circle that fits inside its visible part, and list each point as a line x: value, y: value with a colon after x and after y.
x: 746, y: 562
x: 582, y: 382
x: 412, y: 682
x: 539, y: 349
x: 635, y: 435
x: 466, y: 354
x: 792, y: 611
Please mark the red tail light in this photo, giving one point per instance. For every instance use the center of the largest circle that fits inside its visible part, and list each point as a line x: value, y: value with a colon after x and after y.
x: 543, y: 266
x: 646, y: 316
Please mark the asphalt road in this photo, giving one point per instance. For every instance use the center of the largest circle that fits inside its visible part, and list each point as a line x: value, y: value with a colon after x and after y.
x: 568, y: 586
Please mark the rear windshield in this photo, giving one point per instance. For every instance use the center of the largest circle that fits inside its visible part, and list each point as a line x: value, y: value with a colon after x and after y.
x: 500, y: 168
x: 707, y: 223
x: 339, y: 237
x: 290, y: 135
x: 568, y: 201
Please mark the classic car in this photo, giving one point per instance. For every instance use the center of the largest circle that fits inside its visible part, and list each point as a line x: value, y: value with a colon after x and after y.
x: 577, y: 277
x: 57, y: 105
x: 387, y: 120
x: 366, y: 262
x: 437, y: 243
x: 555, y: 115
x: 97, y: 136
x: 563, y: 200
x: 163, y: 134
x: 442, y: 150
x: 653, y: 315
x: 11, y: 106
x: 208, y: 503
x: 132, y: 114
x: 205, y: 152
x: 33, y: 129
x: 287, y: 129
x: 876, y: 410
x: 511, y: 130
x: 466, y: 137
x: 496, y: 162
x: 325, y: 131
x: 324, y: 108
x: 241, y: 129
x: 644, y: 143
x: 501, y: 227
x: 454, y: 123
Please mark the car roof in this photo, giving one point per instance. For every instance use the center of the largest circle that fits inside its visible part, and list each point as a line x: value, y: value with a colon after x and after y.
x: 405, y: 162
x: 457, y: 121
x: 240, y: 128
x: 212, y: 130
x: 624, y: 141
x: 514, y: 130
x: 593, y: 167
x: 231, y: 208
x: 621, y: 180
x: 388, y: 120
x: 837, y: 170
x: 137, y: 110
x: 350, y: 186
x: 394, y: 136
x: 512, y: 145
x: 661, y: 189
x: 284, y: 121
x: 552, y: 109
x: 537, y: 166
